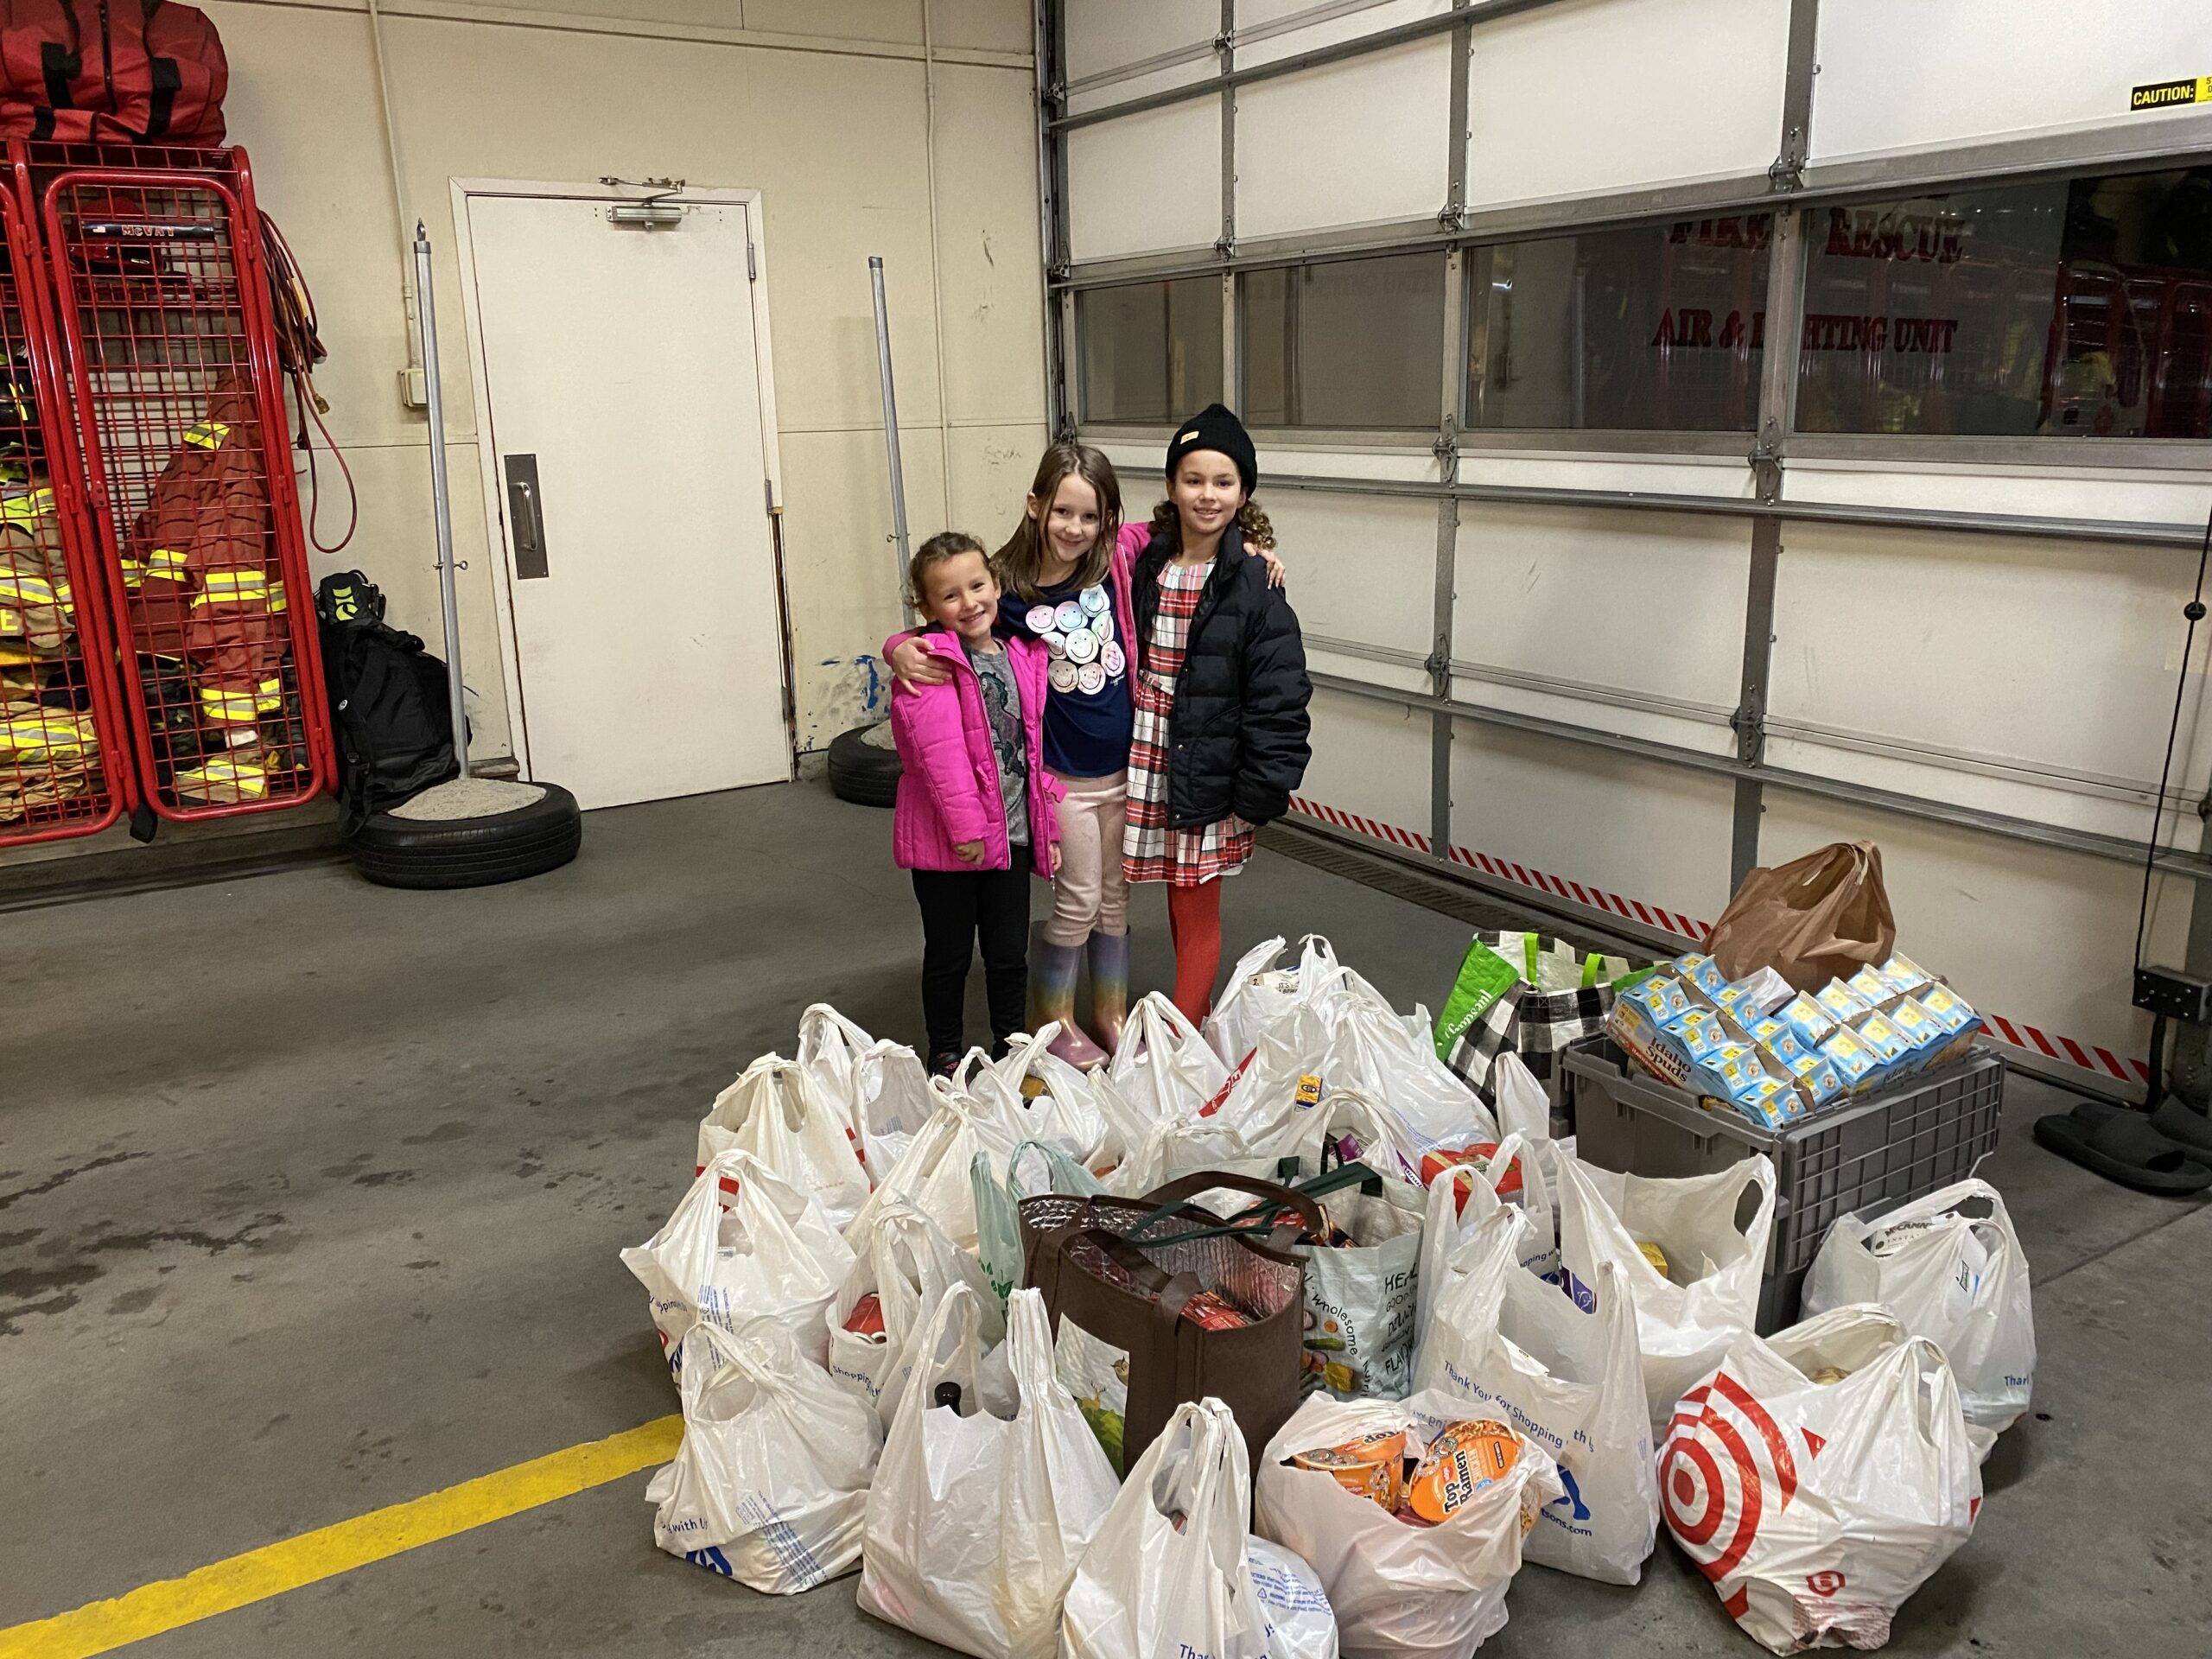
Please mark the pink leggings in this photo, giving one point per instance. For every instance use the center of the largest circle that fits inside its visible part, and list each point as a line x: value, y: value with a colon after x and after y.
x: 1088, y: 895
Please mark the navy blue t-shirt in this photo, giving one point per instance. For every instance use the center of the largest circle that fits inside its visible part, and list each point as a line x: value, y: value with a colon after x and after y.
x: 1088, y: 715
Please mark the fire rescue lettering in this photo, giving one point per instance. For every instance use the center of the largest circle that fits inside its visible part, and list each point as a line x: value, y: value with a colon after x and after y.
x: 1880, y: 233
x: 1688, y: 329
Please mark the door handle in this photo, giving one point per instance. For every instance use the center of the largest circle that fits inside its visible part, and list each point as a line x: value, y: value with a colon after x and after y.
x: 526, y: 518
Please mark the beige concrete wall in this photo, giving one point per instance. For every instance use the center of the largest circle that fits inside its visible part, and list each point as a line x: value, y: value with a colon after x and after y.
x: 825, y: 106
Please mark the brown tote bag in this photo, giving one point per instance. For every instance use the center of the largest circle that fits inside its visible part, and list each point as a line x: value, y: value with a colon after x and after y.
x: 1165, y: 1359
x: 1822, y: 917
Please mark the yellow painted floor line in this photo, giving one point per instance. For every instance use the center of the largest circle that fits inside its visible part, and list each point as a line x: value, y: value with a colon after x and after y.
x: 103, y: 1626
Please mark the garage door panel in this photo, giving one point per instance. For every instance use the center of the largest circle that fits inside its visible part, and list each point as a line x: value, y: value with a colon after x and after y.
x: 1897, y: 74
x: 1358, y: 142
x: 1647, y: 602
x: 1359, y: 568
x: 1146, y: 183
x: 1654, y: 836
x: 1370, y: 761
x: 2038, y: 654
x: 1574, y: 100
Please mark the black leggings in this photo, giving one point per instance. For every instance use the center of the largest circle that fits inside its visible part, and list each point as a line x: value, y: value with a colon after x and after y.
x: 957, y: 906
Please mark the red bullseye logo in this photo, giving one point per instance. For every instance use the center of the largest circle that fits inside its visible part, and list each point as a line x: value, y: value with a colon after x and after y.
x: 1824, y: 1583
x: 1726, y: 1463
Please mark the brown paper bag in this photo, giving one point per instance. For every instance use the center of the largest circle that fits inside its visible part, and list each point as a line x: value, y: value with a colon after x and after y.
x: 1822, y: 917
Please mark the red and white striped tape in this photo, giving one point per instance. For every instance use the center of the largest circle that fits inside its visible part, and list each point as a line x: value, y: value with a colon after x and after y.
x: 2021, y: 1035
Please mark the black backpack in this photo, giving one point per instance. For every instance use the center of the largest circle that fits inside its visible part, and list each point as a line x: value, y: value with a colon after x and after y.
x: 390, y: 711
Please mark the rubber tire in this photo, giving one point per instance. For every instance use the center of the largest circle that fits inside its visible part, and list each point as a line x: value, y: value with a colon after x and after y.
x: 471, y: 852
x: 864, y: 772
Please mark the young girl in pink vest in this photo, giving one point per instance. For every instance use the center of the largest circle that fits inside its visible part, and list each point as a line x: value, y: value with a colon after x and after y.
x: 976, y: 814
x: 1066, y: 574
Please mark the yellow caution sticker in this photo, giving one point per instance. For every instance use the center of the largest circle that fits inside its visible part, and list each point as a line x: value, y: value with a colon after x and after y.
x: 2171, y: 94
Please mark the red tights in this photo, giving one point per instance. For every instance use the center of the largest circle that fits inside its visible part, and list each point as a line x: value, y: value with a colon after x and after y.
x: 1194, y: 925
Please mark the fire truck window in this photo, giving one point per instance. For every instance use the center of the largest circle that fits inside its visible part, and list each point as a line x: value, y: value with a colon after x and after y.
x: 1151, y: 350
x: 2069, y: 307
x: 1653, y: 328
x: 1356, y: 343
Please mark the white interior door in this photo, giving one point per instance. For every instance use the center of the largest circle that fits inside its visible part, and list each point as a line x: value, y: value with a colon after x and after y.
x: 623, y: 417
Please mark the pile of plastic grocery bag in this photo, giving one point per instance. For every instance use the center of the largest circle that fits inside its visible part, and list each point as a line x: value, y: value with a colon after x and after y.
x: 1510, y: 1355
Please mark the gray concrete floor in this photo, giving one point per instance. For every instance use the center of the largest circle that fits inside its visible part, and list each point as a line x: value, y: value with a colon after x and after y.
x: 310, y: 1193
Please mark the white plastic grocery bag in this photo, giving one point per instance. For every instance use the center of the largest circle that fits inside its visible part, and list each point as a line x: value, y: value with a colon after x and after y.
x: 1167, y: 1575
x: 1034, y: 1168
x: 1067, y: 1108
x: 977, y: 1520
x: 1300, y: 1623
x: 776, y: 1112
x: 1952, y: 1274
x: 770, y: 1483
x: 768, y: 1253
x: 1420, y: 1105
x: 1260, y: 992
x: 1461, y: 1198
x: 1568, y: 1378
x: 1163, y: 1070
x: 880, y: 1086
x: 932, y: 1173
x: 1687, y: 1316
x: 1399, y: 1590
x: 1817, y: 1508
x: 1523, y: 1106
x: 1362, y: 1299
x: 905, y: 1261
x: 1267, y: 1110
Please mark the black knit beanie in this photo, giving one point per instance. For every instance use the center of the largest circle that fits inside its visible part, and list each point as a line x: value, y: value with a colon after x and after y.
x: 1214, y: 427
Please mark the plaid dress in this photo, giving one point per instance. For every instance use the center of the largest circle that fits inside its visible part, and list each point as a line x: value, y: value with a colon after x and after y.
x: 1150, y: 850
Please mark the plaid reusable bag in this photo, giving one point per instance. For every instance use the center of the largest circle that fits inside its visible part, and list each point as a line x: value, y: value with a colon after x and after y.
x: 1529, y: 994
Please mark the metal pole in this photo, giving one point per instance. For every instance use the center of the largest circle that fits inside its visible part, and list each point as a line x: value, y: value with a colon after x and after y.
x: 891, y: 425
x: 440, y: 494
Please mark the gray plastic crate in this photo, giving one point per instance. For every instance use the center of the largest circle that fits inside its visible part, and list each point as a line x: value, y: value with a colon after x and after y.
x: 1866, y: 1156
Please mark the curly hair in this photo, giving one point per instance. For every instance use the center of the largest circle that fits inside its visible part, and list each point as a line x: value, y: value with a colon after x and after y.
x: 1251, y: 518
x: 945, y: 544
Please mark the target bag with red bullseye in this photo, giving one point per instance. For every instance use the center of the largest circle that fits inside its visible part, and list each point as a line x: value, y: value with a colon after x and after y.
x: 1819, y: 1477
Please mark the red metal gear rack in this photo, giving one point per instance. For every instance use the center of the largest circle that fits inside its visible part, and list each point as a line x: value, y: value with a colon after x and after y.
x: 65, y: 766
x: 161, y: 299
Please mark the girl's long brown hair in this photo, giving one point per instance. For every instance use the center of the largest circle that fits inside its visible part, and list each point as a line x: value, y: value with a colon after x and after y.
x: 1251, y: 518
x: 1019, y: 562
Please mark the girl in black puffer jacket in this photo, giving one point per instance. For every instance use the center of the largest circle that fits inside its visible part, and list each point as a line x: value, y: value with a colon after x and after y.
x: 1220, y: 741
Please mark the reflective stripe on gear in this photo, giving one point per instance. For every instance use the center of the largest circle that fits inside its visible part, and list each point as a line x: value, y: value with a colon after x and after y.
x: 236, y: 707
x: 26, y: 509
x: 38, y: 732
x: 232, y: 588
x: 165, y: 562
x: 224, y: 781
x: 208, y: 435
